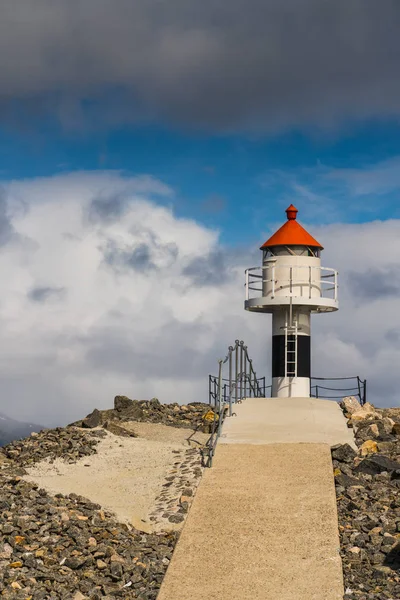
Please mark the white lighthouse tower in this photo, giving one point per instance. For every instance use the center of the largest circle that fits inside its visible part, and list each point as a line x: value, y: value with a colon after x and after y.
x: 291, y: 284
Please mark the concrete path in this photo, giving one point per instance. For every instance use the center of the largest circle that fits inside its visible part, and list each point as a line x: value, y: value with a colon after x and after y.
x: 263, y: 524
x: 287, y: 420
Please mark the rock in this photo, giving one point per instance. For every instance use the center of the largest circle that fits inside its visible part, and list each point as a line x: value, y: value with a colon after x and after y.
x: 116, y: 571
x: 118, y: 429
x: 346, y: 481
x: 377, y: 464
x: 92, y: 420
x: 122, y: 403
x: 363, y: 415
x: 343, y: 453
x: 369, y: 447
x: 388, y: 425
x: 350, y: 405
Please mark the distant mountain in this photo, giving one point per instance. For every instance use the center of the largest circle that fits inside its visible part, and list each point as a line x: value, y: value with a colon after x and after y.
x: 11, y: 430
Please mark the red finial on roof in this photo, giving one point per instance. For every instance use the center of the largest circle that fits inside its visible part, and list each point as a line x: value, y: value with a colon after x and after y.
x: 291, y: 213
x: 291, y: 233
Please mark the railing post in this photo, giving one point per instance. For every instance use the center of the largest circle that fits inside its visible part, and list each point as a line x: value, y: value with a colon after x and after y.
x: 245, y: 371
x: 365, y: 392
x: 236, y: 368
x: 316, y: 391
x: 247, y: 283
x: 359, y: 389
x: 230, y: 380
x: 241, y: 371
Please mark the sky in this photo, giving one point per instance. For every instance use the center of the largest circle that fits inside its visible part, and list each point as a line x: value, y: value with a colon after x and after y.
x: 147, y: 150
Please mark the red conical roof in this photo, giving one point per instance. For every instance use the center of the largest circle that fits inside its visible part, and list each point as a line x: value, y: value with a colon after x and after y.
x: 291, y: 233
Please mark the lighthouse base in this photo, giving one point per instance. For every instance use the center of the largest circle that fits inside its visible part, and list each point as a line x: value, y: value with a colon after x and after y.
x: 290, y: 387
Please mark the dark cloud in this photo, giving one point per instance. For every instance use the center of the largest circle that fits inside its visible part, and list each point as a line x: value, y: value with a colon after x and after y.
x: 139, y: 258
x: 374, y: 284
x: 43, y: 294
x: 208, y: 270
x: 256, y: 64
x: 108, y: 208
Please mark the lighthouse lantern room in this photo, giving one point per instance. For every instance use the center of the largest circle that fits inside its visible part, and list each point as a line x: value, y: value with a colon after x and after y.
x: 291, y: 284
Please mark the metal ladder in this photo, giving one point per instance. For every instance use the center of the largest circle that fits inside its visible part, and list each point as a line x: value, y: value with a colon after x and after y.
x: 291, y: 336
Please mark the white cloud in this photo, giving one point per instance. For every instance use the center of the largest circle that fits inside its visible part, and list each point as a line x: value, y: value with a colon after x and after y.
x: 100, y: 296
x: 95, y: 300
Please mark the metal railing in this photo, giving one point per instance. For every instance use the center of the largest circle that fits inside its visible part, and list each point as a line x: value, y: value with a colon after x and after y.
x: 213, y: 387
x: 241, y: 382
x: 359, y: 390
x: 318, y: 281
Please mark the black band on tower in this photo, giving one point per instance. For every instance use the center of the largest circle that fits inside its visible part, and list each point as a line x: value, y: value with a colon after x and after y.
x: 303, y: 355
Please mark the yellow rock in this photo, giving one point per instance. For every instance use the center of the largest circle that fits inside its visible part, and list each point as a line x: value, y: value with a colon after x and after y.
x: 365, y: 415
x: 19, y: 539
x: 369, y: 447
x: 16, y: 586
x: 16, y: 564
x: 210, y: 416
x: 337, y: 472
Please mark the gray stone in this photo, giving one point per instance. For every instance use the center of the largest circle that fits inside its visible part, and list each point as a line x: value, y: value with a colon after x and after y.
x: 92, y: 420
x: 122, y: 402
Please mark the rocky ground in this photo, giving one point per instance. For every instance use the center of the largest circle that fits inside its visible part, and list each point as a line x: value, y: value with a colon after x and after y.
x: 368, y: 497
x: 150, y: 411
x: 64, y: 546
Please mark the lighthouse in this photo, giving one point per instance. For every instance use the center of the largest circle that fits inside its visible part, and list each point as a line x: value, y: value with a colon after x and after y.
x: 291, y: 284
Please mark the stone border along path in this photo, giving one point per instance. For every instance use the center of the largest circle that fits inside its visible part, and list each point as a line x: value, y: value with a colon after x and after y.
x: 180, y: 486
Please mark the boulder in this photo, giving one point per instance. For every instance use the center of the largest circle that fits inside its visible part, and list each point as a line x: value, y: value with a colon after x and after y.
x: 92, y: 420
x: 350, y: 405
x: 343, y: 453
x: 377, y: 464
x: 122, y: 402
x: 365, y: 414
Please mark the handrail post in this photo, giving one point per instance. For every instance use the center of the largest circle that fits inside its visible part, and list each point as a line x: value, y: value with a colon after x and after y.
x: 241, y: 371
x: 247, y: 283
x: 220, y: 385
x: 230, y: 380
x: 236, y: 368
x: 245, y: 371
x: 365, y: 392
x: 359, y: 388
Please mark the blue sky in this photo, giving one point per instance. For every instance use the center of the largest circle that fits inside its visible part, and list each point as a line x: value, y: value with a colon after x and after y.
x: 240, y: 184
